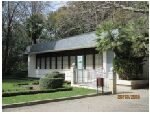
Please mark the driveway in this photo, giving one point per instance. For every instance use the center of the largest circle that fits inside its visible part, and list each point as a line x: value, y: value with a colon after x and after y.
x: 93, y: 104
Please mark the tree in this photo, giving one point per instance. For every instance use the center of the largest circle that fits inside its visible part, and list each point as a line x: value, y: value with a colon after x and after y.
x: 75, y: 18
x: 83, y: 16
x: 129, y: 42
x: 11, y: 8
x: 34, y: 26
x: 14, y: 36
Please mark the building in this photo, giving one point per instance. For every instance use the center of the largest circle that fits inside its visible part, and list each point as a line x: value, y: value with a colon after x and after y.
x: 61, y: 54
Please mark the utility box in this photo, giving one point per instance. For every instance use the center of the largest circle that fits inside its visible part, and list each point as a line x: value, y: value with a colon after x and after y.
x: 100, y: 83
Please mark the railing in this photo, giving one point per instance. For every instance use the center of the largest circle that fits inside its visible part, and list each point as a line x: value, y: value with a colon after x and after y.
x: 88, y: 77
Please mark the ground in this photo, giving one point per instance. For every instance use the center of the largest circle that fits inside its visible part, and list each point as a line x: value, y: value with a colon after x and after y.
x: 13, y: 85
x: 94, y: 104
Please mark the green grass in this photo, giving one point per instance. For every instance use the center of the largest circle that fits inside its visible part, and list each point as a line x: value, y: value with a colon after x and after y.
x: 60, y: 94
x: 12, y: 84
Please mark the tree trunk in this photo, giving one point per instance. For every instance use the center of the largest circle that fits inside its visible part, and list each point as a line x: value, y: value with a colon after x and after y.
x: 8, y: 36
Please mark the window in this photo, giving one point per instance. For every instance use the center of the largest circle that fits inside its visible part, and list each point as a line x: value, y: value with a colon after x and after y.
x: 65, y: 62
x: 98, y: 60
x: 38, y: 63
x: 59, y: 63
x: 72, y: 60
x: 89, y: 61
x: 53, y: 63
x: 47, y: 63
x: 43, y: 63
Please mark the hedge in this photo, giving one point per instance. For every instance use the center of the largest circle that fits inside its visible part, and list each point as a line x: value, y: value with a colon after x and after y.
x: 9, y: 94
x: 55, y: 75
x: 50, y: 83
x: 52, y: 80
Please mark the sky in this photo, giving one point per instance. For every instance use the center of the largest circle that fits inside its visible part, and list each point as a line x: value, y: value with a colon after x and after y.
x: 57, y: 4
x: 54, y: 5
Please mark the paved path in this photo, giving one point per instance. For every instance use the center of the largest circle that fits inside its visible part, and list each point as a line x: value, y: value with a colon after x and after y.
x: 93, y: 104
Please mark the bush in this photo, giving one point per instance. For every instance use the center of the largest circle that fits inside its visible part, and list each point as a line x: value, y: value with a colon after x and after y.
x: 55, y: 75
x: 68, y: 82
x: 52, y: 81
x: 22, y: 84
x: 29, y: 87
x: 35, y: 83
x: 128, y: 69
x: 9, y: 94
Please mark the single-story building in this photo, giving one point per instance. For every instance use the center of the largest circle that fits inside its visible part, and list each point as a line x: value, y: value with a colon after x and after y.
x: 60, y: 55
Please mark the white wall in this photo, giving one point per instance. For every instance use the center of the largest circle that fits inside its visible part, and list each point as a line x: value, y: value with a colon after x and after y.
x: 31, y: 65
x: 37, y: 73
x: 41, y: 72
x: 104, y: 60
x: 110, y: 56
x: 98, y: 60
x: 108, y: 61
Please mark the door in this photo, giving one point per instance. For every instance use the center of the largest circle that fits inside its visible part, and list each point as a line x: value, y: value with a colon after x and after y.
x: 79, y: 69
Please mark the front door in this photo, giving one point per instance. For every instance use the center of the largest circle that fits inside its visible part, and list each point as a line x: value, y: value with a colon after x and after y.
x: 80, y: 69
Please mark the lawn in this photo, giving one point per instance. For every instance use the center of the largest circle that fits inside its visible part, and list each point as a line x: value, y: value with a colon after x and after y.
x: 12, y: 85
x: 60, y: 94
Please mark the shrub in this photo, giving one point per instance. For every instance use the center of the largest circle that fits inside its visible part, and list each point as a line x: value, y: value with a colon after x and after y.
x: 29, y: 88
x: 55, y: 75
x: 129, y: 41
x: 29, y: 92
x: 22, y: 84
x: 52, y: 81
x: 68, y: 82
x: 35, y: 83
x: 128, y: 69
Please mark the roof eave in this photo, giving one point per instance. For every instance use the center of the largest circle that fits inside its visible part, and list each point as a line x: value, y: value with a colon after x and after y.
x: 48, y: 51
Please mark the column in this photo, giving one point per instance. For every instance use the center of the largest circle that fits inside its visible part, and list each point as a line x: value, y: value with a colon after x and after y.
x: 31, y: 65
x: 110, y: 76
x: 73, y: 72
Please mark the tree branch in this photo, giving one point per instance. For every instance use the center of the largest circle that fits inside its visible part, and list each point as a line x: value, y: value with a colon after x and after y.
x: 131, y: 8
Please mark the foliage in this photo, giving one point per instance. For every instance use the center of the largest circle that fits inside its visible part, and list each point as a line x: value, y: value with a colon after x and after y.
x: 14, y: 36
x: 43, y: 96
x: 71, y: 19
x: 55, y: 74
x: 51, y: 81
x: 29, y: 92
x: 128, y: 69
x: 34, y: 26
x: 83, y: 16
x: 15, y: 84
x: 129, y: 42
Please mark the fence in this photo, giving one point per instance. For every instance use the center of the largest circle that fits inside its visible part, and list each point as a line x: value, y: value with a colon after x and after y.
x: 88, y: 77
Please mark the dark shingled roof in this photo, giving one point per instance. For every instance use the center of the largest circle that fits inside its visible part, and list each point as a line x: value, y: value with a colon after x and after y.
x: 86, y: 40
